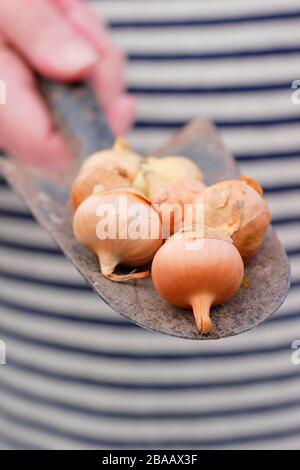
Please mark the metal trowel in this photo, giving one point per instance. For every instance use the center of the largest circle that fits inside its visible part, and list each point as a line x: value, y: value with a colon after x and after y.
x: 47, y: 197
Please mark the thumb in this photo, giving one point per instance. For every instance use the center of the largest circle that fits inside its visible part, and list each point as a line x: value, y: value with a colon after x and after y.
x: 47, y: 39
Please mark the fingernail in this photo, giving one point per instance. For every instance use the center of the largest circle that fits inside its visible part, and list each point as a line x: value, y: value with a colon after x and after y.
x: 78, y: 55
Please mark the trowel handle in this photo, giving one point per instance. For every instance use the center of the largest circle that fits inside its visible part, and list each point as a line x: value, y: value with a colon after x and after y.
x: 79, y: 116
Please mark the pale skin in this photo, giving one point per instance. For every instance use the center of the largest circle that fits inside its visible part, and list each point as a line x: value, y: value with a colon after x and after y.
x: 64, y: 41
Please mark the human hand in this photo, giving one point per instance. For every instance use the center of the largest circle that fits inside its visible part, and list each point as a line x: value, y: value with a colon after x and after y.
x: 62, y: 40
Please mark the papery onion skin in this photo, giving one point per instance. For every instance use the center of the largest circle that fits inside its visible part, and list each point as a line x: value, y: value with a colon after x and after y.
x: 191, y: 272
x: 119, y: 157
x: 111, y: 168
x: 181, y: 191
x: 86, y: 181
x: 240, y: 211
x: 172, y: 199
x: 110, y: 251
x: 170, y: 168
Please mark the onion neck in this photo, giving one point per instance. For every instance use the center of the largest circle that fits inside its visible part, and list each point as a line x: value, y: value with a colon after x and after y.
x: 121, y: 144
x: 109, y: 262
x: 201, y: 309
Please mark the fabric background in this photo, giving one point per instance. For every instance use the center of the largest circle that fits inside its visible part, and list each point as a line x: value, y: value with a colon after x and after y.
x: 78, y: 375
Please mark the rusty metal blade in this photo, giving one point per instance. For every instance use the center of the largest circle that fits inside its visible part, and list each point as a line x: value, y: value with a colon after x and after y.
x: 47, y: 196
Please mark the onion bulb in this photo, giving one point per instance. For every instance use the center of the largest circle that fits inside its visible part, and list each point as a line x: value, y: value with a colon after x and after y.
x: 119, y: 157
x: 110, y: 168
x: 174, y: 168
x: 172, y: 198
x: 193, y: 272
x: 168, y: 169
x: 237, y: 209
x: 86, y: 181
x: 120, y: 227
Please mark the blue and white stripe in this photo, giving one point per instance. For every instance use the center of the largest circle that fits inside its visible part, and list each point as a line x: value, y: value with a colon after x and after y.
x: 78, y: 375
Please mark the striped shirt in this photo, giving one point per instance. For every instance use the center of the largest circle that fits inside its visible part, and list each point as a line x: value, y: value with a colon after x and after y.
x: 79, y: 376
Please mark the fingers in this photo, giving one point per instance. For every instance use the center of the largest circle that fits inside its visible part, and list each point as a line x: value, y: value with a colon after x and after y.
x: 107, y: 79
x: 46, y: 39
x: 91, y: 26
x: 108, y: 75
x: 64, y: 41
x: 121, y: 113
x: 26, y: 130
